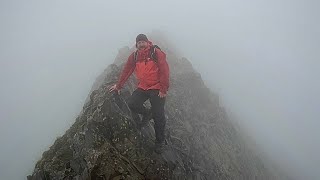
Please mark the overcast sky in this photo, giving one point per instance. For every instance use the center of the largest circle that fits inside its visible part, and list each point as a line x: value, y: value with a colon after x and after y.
x: 261, y: 56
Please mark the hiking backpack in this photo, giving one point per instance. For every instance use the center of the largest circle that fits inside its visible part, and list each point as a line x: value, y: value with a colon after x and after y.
x: 153, y: 53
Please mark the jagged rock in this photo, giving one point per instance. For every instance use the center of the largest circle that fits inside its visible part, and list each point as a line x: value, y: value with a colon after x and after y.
x: 105, y: 143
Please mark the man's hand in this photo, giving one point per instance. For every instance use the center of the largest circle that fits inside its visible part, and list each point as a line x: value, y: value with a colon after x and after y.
x: 162, y: 95
x: 114, y: 88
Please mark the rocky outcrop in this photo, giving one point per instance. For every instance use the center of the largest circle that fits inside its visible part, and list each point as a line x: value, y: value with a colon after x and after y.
x: 104, y: 143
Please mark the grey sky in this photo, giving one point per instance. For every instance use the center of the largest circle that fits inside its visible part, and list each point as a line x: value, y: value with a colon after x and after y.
x: 262, y: 57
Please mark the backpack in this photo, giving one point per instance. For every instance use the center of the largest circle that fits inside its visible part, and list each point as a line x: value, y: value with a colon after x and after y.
x: 153, y: 53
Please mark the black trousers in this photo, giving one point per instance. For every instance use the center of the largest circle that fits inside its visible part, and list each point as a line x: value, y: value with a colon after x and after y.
x: 135, y: 103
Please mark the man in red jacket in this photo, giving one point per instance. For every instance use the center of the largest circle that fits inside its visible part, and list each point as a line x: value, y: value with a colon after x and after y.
x: 153, y: 83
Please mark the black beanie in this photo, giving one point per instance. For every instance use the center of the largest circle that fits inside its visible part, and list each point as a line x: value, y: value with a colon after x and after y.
x: 141, y: 37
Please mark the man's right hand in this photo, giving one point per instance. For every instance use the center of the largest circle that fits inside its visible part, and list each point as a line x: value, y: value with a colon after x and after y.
x: 114, y: 88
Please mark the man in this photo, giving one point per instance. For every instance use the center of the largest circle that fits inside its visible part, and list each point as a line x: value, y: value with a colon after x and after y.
x: 153, y: 83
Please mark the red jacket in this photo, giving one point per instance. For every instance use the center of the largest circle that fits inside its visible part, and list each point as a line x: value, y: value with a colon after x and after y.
x: 150, y: 74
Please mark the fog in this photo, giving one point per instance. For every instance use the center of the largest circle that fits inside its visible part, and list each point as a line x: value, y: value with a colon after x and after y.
x: 262, y: 57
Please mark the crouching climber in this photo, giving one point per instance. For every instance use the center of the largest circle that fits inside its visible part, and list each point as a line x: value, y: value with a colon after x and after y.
x: 152, y: 71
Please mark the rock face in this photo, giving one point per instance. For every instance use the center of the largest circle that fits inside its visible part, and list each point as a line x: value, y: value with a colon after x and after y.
x: 104, y: 142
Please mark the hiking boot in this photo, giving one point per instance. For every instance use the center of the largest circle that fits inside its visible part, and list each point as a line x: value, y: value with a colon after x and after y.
x: 146, y: 118
x: 159, y: 147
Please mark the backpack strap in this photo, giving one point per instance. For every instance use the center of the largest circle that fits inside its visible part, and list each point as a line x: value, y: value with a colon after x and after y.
x: 153, y: 52
x: 135, y: 56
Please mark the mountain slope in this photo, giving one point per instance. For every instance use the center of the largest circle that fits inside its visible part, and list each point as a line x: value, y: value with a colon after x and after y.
x: 104, y: 142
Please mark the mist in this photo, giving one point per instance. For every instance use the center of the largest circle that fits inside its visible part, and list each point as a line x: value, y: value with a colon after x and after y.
x: 261, y: 57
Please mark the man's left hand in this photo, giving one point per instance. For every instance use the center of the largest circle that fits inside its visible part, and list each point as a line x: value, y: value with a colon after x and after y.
x: 162, y: 95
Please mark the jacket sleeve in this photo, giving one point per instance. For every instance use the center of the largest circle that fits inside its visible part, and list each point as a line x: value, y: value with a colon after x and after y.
x: 164, y: 71
x: 126, y: 72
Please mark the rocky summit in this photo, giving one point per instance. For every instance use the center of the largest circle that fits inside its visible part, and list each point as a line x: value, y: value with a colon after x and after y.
x: 105, y: 143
